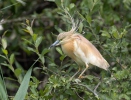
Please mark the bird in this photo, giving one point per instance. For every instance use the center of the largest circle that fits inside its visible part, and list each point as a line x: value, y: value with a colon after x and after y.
x: 81, y: 50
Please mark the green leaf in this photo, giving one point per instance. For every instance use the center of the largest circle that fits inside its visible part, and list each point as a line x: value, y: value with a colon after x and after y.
x: 62, y: 57
x: 121, y: 74
x: 37, y: 68
x: 9, y: 66
x: 27, y: 41
x: 90, y: 77
x: 52, y: 64
x: 12, y: 57
x: 72, y: 5
x: 81, y: 16
x: 38, y: 41
x: 42, y: 59
x: 80, y: 27
x: 30, y: 30
x: 31, y: 49
x: 88, y: 18
x: 115, y: 32
x: 22, y: 2
x: 123, y: 33
x: 65, y: 66
x: 116, y: 35
x: 22, y: 91
x: 5, y: 51
x: 58, y: 49
x: 3, y: 56
x: 106, y: 34
x: 17, y: 72
x: 4, y: 43
x: 18, y: 65
x: 4, y: 33
x: 27, y: 31
x: 90, y: 4
x: 35, y: 80
x: 64, y: 2
x: 3, y: 93
x: 45, y: 51
x: 28, y: 22
x: 58, y: 3
x: 34, y: 37
x: 124, y: 97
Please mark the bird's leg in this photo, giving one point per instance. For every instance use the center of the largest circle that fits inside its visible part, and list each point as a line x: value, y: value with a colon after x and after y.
x: 75, y: 74
x: 80, y: 76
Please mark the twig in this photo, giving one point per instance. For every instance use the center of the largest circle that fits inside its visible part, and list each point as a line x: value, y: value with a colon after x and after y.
x: 97, y: 87
x: 21, y: 19
x: 74, y: 27
x: 79, y: 95
x: 90, y: 90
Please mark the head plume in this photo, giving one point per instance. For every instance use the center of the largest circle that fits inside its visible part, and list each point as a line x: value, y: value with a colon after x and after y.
x: 74, y: 25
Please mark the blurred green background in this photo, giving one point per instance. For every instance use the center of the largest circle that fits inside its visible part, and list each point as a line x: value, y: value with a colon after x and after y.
x: 106, y: 23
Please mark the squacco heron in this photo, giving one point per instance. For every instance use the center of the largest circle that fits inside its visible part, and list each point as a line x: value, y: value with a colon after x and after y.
x: 81, y: 50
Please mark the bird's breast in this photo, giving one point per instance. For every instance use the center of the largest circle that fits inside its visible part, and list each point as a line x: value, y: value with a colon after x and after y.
x: 70, y: 50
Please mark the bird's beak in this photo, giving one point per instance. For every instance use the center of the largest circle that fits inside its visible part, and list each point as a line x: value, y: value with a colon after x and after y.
x: 54, y: 44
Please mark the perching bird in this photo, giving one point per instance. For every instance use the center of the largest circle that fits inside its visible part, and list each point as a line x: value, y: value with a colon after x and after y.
x: 82, y: 51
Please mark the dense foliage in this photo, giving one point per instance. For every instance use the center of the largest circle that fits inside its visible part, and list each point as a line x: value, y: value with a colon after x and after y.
x: 30, y: 71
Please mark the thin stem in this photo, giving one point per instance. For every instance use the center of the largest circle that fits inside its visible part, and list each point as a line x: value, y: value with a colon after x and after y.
x: 3, y: 80
x: 79, y: 95
x: 10, y: 63
x: 97, y: 87
x: 8, y: 6
x: 90, y: 90
x: 70, y: 17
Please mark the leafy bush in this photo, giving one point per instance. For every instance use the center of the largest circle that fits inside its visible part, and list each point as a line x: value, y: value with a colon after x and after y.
x: 24, y: 46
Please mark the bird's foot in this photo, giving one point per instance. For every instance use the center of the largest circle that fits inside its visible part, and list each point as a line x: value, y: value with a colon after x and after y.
x: 77, y: 80
x: 81, y: 77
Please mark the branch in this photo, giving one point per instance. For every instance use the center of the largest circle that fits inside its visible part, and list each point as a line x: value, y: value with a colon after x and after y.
x: 4, y: 21
x: 70, y: 17
x: 90, y: 90
x: 79, y: 95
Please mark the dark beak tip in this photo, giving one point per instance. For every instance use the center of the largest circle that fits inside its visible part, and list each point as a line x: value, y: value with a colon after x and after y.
x: 54, y: 44
x: 50, y: 47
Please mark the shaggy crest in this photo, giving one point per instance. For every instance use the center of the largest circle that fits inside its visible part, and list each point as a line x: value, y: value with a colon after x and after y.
x: 75, y: 26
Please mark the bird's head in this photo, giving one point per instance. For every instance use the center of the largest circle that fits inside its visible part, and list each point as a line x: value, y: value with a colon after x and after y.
x: 62, y: 38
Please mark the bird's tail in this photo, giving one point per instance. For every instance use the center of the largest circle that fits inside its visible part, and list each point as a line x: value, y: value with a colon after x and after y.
x: 105, y: 65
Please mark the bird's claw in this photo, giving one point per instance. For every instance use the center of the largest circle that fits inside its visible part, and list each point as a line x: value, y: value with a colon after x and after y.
x: 77, y: 80
x: 81, y: 77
